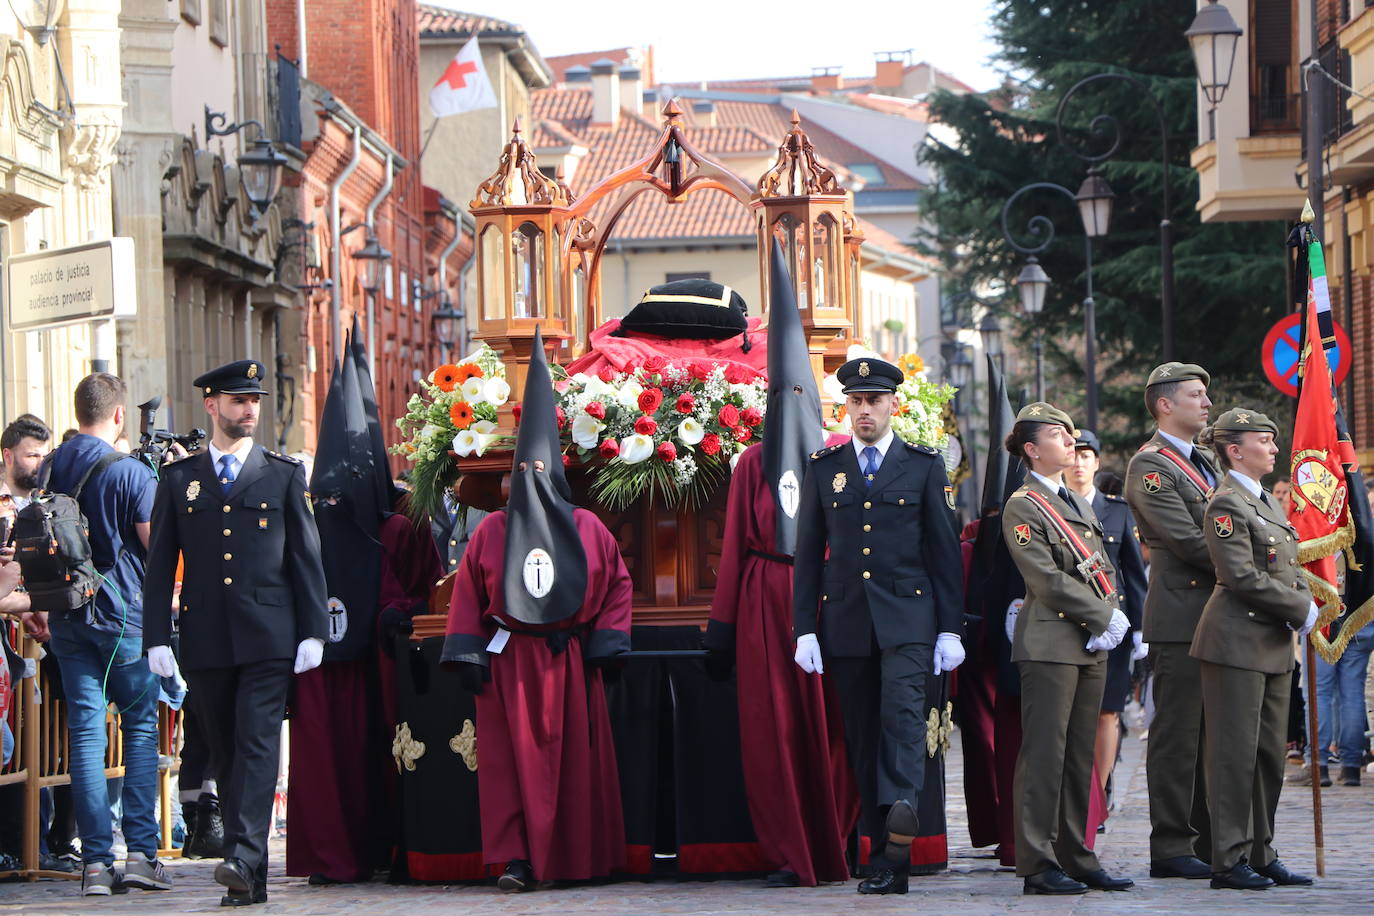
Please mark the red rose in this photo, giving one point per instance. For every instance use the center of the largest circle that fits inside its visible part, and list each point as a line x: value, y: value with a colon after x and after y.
x: 596, y: 409
x: 655, y: 363
x: 710, y: 444
x: 667, y: 452
x: 609, y: 448
x: 649, y: 399
x: 742, y: 433
x: 700, y: 372
x: 729, y: 416
x: 607, y: 374
x: 558, y: 413
x: 752, y: 416
x: 738, y: 375
x: 646, y: 426
x: 567, y: 461
x: 686, y: 404
x: 516, y: 411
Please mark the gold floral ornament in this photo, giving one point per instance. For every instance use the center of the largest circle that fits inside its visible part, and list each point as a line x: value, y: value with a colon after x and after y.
x: 946, y: 727
x: 911, y: 364
x: 464, y: 744
x: 406, y: 749
x: 933, y: 733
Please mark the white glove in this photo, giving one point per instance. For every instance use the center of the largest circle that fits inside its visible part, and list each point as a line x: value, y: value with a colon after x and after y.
x: 1311, y: 620
x: 808, y: 656
x: 1142, y: 648
x: 1013, y: 611
x: 1116, y: 631
x: 162, y: 662
x: 949, y: 652
x: 309, y: 654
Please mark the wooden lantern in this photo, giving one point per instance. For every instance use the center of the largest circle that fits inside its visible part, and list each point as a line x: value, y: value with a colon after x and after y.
x: 521, y: 216
x: 801, y: 204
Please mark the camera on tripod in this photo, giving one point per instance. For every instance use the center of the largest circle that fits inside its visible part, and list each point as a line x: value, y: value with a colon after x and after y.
x: 153, y: 442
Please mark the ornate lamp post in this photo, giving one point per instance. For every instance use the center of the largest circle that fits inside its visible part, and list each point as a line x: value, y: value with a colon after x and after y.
x: 260, y: 169
x: 1032, y: 283
x: 1213, y: 36
x: 1093, y: 200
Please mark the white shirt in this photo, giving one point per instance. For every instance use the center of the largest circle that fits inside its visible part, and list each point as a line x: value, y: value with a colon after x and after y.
x: 881, y: 445
x: 1185, y: 448
x: 240, y: 454
x: 1253, y: 486
x: 1051, y: 485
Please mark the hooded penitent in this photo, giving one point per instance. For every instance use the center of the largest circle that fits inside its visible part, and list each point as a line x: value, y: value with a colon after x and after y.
x: 381, y: 468
x: 793, y: 422
x: 546, y: 566
x: 348, y: 515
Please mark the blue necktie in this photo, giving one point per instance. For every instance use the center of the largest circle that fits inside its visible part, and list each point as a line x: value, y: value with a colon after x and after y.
x: 227, y: 473
x: 870, y: 465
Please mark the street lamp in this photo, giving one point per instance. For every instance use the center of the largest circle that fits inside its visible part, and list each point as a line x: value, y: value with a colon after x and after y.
x: 1042, y: 226
x: 1033, y: 283
x: 373, y: 257
x: 38, y: 17
x: 445, y: 319
x: 990, y: 332
x: 1095, y: 204
x: 960, y: 367
x: 1214, y: 36
x: 260, y: 169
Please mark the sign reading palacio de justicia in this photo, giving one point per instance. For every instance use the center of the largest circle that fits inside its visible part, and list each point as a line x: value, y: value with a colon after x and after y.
x: 66, y: 285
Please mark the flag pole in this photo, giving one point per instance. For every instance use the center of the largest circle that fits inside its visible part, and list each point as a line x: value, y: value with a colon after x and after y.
x: 429, y: 135
x: 1310, y: 663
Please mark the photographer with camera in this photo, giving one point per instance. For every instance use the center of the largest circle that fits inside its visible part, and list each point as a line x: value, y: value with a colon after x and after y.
x: 98, y: 644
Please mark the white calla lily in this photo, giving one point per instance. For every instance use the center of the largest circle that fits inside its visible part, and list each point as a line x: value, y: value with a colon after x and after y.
x: 586, y: 431
x: 858, y: 351
x: 483, y: 443
x: 636, y: 448
x: 496, y: 391
x: 690, y: 432
x: 465, y: 443
x: 472, y: 390
x: 629, y: 393
x: 483, y: 427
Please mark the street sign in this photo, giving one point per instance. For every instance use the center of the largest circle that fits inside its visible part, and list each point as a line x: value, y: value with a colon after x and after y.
x: 1283, y: 348
x: 60, y: 286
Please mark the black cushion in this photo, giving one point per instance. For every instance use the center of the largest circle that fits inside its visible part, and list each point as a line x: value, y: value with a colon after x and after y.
x: 693, y: 309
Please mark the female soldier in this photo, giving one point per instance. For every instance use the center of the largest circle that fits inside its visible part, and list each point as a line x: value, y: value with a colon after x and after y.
x: 1245, y: 647
x: 1069, y: 621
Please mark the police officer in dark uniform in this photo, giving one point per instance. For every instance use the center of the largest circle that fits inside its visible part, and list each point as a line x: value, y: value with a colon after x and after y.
x: 253, y: 599
x: 885, y: 608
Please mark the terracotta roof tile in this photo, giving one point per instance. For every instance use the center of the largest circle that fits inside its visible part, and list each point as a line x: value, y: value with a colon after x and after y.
x: 439, y: 21
x: 560, y: 64
x: 570, y: 107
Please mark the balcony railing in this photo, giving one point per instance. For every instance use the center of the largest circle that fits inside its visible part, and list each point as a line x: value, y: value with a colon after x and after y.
x: 1275, y: 113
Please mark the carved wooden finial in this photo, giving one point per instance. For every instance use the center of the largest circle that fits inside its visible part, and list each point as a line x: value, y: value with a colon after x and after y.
x: 516, y: 127
x: 517, y: 179
x: 796, y: 119
x: 797, y: 173
x: 672, y: 111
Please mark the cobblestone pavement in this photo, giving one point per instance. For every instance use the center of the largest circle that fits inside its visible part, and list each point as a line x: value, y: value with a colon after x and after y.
x: 974, y: 883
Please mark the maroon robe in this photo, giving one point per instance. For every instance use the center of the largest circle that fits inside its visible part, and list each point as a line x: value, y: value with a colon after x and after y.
x: 796, y: 774
x: 547, y: 780
x: 338, y: 792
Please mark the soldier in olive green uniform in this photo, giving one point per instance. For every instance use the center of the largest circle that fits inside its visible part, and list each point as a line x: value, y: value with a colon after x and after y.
x: 1069, y: 622
x: 1168, y: 483
x: 1245, y: 646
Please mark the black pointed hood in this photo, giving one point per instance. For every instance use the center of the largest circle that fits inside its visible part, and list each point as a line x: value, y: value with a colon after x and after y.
x: 545, y: 574
x: 381, y: 467
x: 792, y: 429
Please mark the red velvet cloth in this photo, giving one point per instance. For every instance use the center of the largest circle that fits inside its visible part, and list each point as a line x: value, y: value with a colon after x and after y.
x: 800, y: 788
x: 548, y: 783
x: 620, y: 352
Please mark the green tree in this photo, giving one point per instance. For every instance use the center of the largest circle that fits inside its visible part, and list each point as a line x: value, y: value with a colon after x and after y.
x: 1229, y: 277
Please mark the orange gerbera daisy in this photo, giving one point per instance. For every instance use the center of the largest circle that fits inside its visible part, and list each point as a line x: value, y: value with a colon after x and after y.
x: 446, y: 378
x: 461, y: 414
x: 468, y: 370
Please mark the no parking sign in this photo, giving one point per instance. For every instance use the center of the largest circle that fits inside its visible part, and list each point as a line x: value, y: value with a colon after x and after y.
x: 1283, y: 347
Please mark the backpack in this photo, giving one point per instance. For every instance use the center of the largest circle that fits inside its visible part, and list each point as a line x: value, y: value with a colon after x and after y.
x: 53, y: 547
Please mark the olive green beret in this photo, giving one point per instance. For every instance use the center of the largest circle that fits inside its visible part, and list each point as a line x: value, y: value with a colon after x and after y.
x: 1045, y: 412
x: 1243, y: 419
x: 1178, y: 372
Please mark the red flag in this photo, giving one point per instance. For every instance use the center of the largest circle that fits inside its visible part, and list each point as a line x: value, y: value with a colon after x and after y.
x: 1320, y: 508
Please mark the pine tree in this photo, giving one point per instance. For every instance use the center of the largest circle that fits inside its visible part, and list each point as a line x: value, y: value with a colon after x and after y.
x: 1229, y: 277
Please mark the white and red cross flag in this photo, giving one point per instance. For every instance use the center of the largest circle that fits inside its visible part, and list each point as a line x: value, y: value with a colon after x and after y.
x: 464, y: 85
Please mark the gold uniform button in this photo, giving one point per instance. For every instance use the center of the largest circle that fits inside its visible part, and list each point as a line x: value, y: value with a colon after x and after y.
x: 1271, y: 539
x: 835, y: 505
x: 226, y: 508
x: 867, y: 551
x: 228, y: 580
x: 1250, y: 613
x: 901, y: 502
x: 453, y: 542
x: 452, y: 562
x: 1192, y: 583
x: 918, y: 591
x: 262, y: 505
x: 825, y: 597
x: 226, y: 532
x: 867, y: 504
x: 228, y: 556
x: 1087, y: 534
x: 867, y: 574
x: 868, y: 527
x: 1287, y: 537
x: 1061, y: 613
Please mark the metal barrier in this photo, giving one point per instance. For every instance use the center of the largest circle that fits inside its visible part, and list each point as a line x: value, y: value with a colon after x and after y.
x: 38, y: 720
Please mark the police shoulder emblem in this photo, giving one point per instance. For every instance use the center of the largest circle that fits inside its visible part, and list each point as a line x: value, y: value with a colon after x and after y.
x: 1152, y: 482
x: 1224, y: 526
x: 949, y: 497
x: 839, y: 483
x: 193, y: 491
x: 1022, y: 534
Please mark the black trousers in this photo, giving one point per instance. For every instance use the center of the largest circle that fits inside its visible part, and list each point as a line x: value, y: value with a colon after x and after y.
x: 241, y: 709
x: 882, y: 699
x: 195, y: 754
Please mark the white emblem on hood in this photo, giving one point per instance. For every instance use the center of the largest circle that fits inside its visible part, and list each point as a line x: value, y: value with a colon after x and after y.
x: 538, y: 572
x: 789, y: 493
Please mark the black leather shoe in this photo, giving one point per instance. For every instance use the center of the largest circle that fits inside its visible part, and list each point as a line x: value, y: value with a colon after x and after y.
x: 886, y: 880
x: 1241, y: 877
x: 518, y: 877
x: 1350, y: 776
x: 233, y: 898
x: 1277, y: 872
x: 207, y: 842
x: 902, y: 823
x: 235, y: 875
x: 189, y: 812
x: 320, y: 879
x: 1180, y: 867
x: 784, y: 878
x: 1053, y: 881
x: 1101, y: 881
